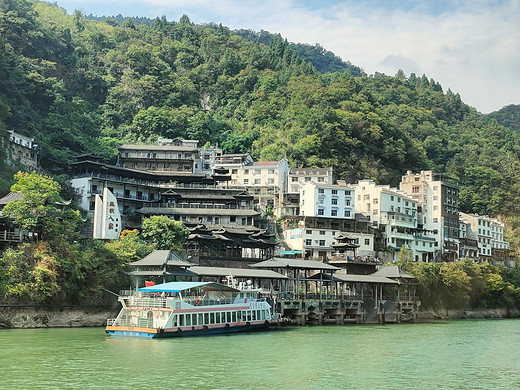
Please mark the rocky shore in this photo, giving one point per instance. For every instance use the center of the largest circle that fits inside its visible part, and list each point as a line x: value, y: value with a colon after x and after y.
x: 22, y: 316
x: 441, y: 314
x: 54, y: 317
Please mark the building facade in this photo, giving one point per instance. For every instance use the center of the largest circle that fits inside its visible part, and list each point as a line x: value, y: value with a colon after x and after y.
x: 438, y: 209
x: 22, y: 149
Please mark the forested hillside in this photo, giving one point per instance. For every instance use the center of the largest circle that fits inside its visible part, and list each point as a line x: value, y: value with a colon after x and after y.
x: 79, y: 85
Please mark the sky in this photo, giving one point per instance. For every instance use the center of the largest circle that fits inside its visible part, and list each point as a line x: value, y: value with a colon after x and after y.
x: 471, y: 47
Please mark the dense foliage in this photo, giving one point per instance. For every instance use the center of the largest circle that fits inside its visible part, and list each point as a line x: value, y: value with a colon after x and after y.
x: 57, y: 266
x: 79, y: 85
x: 466, y: 284
x: 508, y: 116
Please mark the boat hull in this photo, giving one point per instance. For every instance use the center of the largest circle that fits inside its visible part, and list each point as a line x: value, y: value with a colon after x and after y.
x: 185, y: 331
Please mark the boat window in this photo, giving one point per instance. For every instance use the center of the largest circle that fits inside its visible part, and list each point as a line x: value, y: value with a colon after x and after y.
x: 194, y: 319
x: 206, y: 318
x: 188, y: 319
x: 181, y: 320
x: 228, y: 316
x: 201, y: 321
x: 217, y: 321
x: 234, y: 316
x: 211, y: 318
x: 174, y: 321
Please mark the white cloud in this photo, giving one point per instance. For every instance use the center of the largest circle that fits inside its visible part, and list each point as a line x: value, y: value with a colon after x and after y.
x: 472, y: 47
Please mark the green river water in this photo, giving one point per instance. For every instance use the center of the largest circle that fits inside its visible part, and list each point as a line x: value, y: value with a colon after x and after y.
x: 466, y: 354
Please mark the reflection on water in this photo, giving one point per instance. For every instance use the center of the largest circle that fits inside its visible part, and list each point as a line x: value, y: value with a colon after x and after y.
x: 452, y: 354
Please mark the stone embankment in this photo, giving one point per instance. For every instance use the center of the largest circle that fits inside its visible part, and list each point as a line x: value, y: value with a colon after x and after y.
x: 441, y: 314
x: 24, y: 316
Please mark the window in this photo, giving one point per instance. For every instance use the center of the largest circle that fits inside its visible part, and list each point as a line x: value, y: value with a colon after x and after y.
x: 271, y: 171
x: 334, y: 192
x: 398, y: 200
x: 257, y: 181
x: 375, y: 201
x: 321, y: 179
x: 321, y: 212
x: 307, y: 179
x: 334, y: 201
x: 294, y: 179
x: 415, y: 189
x: 435, y: 220
x: 246, y: 181
x: 308, y: 231
x: 366, y: 197
x: 347, y: 202
x: 308, y: 242
x: 367, y: 241
x: 234, y: 171
x: 322, y: 242
x: 392, y: 198
x: 322, y: 232
x: 246, y: 171
x: 232, y: 219
x: 334, y: 213
x: 321, y: 191
x: 347, y: 213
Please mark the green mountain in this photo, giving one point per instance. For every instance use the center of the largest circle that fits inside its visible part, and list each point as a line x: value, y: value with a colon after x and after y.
x: 79, y: 85
x: 508, y: 116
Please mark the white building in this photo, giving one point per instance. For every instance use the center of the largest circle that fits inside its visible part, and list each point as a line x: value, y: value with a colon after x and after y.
x: 326, y: 211
x: 395, y: 215
x: 265, y: 180
x: 301, y: 176
x: 438, y: 209
x: 489, y: 235
x: 327, y: 200
x: 22, y: 149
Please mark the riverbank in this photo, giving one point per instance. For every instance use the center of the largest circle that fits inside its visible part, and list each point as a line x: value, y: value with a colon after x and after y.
x: 22, y: 316
x: 441, y: 314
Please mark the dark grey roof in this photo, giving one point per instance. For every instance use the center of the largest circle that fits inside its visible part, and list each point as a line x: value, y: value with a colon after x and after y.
x: 10, y: 197
x: 236, y: 272
x: 362, y: 278
x: 393, y: 272
x: 161, y: 257
x: 195, y: 211
x: 280, y: 262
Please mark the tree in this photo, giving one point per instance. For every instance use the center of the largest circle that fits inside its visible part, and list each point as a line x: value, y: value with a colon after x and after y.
x: 404, y: 257
x: 36, y: 210
x: 129, y: 247
x: 164, y: 233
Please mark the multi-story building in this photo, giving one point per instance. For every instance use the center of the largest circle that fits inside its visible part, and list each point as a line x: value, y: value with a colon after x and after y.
x: 235, y: 164
x: 327, y: 200
x: 22, y: 149
x: 183, y: 196
x: 394, y: 215
x: 438, y: 209
x: 489, y: 235
x: 288, y: 204
x: 265, y: 180
x: 301, y: 176
x: 326, y: 211
x: 468, y: 247
x: 169, y: 155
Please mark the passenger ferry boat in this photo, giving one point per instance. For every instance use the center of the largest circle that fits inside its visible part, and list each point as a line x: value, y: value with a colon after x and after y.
x: 191, y: 308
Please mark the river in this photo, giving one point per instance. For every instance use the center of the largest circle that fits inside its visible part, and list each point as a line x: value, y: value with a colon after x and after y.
x: 462, y: 354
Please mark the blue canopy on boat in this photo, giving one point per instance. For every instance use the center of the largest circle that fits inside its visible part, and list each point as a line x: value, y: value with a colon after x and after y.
x: 182, y: 286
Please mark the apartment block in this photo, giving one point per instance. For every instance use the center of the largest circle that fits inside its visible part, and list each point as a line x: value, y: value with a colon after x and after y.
x: 438, y: 209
